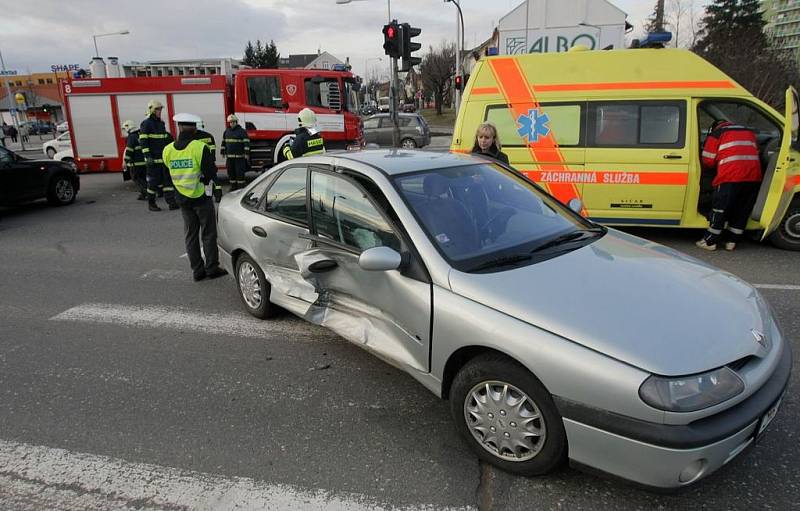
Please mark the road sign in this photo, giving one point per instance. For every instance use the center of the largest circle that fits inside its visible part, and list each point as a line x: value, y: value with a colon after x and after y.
x: 8, y: 72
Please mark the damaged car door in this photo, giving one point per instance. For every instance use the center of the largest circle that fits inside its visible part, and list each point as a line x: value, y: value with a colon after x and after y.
x: 358, y: 270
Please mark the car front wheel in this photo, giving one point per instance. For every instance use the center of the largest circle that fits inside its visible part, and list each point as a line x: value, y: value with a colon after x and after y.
x: 787, y: 235
x: 61, y: 190
x: 253, y: 288
x: 507, y: 416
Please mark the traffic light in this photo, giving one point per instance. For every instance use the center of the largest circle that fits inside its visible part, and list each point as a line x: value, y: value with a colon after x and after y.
x: 461, y: 81
x: 409, y: 47
x: 392, y: 39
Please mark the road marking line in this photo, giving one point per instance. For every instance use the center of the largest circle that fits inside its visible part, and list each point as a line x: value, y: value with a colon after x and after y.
x: 175, y: 318
x: 38, y: 477
x: 785, y: 287
x: 165, y: 275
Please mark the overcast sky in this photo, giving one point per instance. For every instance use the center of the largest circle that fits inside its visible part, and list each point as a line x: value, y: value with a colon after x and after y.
x: 35, y: 34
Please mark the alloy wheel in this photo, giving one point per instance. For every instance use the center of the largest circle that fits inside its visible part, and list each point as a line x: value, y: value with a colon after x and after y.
x: 250, y: 285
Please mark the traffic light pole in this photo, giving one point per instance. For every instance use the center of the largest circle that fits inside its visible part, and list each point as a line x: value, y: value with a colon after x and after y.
x: 395, y: 105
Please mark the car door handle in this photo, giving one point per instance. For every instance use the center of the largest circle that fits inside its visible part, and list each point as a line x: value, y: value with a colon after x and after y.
x: 322, y: 266
x: 260, y: 232
x: 672, y: 156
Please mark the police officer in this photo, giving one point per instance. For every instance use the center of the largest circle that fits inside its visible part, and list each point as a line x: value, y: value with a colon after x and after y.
x: 134, y: 159
x: 208, y: 139
x: 153, y: 137
x: 191, y: 167
x: 307, y: 140
x: 236, y: 150
x: 733, y: 150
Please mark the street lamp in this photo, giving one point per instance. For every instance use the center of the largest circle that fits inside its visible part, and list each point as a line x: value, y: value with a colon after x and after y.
x: 388, y: 5
x: 95, y: 36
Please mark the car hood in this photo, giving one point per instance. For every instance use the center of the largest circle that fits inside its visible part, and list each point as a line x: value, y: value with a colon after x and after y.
x: 636, y: 301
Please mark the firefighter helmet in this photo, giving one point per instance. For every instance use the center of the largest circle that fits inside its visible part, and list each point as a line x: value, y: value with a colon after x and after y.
x: 184, y: 118
x: 233, y: 118
x: 128, y: 126
x: 307, y: 118
x: 153, y: 104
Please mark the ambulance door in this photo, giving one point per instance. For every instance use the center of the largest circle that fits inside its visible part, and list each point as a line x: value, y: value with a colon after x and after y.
x: 782, y: 166
x: 638, y: 157
x: 544, y: 141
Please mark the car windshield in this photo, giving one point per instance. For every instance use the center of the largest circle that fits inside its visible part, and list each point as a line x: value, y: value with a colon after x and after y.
x: 483, y: 213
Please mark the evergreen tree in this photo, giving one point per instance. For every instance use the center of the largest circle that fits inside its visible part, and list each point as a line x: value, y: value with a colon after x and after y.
x: 271, y: 56
x: 259, y: 53
x: 249, y: 58
x: 732, y: 38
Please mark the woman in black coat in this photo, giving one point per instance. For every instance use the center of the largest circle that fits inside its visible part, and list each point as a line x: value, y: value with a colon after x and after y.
x: 487, y: 144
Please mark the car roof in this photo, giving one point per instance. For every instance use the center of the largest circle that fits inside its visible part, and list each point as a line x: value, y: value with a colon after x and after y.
x: 400, y: 114
x: 398, y: 161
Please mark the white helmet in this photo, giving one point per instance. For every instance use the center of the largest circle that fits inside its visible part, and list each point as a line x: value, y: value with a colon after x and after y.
x: 153, y: 104
x: 184, y: 118
x: 128, y: 126
x: 307, y: 118
x: 233, y: 118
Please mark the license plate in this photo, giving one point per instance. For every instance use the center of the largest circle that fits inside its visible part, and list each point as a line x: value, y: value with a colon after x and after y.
x: 767, y: 418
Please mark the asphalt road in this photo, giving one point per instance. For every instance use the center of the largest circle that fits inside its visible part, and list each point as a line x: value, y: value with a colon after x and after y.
x: 123, y: 384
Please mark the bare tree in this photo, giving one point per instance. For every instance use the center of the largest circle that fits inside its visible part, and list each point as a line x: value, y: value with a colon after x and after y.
x: 437, y: 70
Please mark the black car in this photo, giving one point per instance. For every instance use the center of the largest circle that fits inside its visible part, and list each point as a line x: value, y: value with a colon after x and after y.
x: 23, y: 180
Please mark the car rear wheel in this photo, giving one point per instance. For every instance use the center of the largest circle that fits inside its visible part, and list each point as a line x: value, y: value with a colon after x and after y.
x: 507, y: 416
x: 253, y: 288
x: 787, y: 235
x: 51, y: 152
x: 408, y: 143
x: 61, y: 190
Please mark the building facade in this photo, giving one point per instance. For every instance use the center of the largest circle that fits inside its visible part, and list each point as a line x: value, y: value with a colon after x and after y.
x: 41, y: 93
x: 190, y: 67
x: 783, y: 23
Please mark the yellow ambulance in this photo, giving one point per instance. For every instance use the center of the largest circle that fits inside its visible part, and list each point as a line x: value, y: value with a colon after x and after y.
x: 622, y: 131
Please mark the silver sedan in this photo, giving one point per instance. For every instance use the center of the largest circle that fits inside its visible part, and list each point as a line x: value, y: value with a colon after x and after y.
x: 552, y: 337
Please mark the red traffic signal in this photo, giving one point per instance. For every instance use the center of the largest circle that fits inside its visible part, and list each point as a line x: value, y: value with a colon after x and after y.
x: 391, y: 40
x: 459, y: 82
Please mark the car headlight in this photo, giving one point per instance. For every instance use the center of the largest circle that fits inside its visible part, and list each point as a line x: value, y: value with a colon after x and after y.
x: 691, y: 393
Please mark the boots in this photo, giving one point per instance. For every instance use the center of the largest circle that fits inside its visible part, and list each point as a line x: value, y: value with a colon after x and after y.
x: 151, y: 204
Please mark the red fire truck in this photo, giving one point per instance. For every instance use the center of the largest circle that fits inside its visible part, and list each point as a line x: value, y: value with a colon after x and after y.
x: 266, y: 101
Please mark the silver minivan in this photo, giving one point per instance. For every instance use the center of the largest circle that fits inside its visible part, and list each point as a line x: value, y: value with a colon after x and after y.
x: 552, y: 337
x: 414, y: 131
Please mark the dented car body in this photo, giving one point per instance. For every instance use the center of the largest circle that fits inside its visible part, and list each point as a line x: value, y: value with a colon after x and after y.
x: 553, y: 338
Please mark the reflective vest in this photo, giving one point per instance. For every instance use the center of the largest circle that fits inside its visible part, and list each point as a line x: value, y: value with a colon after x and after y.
x: 734, y: 150
x: 133, y: 150
x: 185, y: 168
x: 307, y: 142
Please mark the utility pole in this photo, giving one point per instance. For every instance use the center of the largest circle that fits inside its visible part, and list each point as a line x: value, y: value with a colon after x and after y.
x: 659, y: 21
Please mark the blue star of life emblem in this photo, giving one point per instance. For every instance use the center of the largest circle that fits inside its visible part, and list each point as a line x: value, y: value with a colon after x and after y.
x: 534, y: 125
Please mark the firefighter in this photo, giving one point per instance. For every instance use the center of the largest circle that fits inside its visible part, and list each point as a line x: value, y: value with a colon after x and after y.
x: 307, y: 140
x: 733, y: 150
x: 236, y: 150
x: 208, y: 139
x: 153, y: 137
x: 134, y: 159
x: 191, y: 167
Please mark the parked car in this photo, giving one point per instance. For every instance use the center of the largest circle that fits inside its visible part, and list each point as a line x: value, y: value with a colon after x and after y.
x: 367, y: 110
x: 67, y: 157
x: 63, y: 127
x: 23, y: 180
x: 551, y: 336
x: 414, y: 131
x: 37, y: 127
x: 408, y: 108
x: 60, y: 143
x: 383, y: 104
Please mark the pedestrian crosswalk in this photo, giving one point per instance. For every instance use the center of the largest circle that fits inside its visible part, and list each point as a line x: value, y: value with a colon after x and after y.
x: 37, y: 477
x: 186, y: 320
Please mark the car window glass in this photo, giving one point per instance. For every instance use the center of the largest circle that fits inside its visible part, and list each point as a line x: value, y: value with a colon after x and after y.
x: 264, y: 91
x: 637, y: 124
x: 287, y: 196
x: 404, y: 121
x: 341, y: 212
x: 5, y: 156
x: 563, y: 121
x: 742, y: 114
x: 372, y: 123
x: 253, y: 196
x: 386, y: 122
x: 324, y: 93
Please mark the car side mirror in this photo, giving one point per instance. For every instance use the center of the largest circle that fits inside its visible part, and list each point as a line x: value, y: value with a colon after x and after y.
x: 576, y: 205
x: 380, y: 259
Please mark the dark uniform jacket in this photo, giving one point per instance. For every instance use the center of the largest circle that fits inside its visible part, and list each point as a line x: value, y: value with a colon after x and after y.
x: 235, y: 143
x: 307, y: 141
x: 208, y: 139
x: 493, y: 153
x: 133, y: 150
x: 154, y: 137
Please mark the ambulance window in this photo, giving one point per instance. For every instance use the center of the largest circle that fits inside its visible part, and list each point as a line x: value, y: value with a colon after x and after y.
x: 742, y: 114
x: 563, y: 121
x: 637, y: 124
x: 264, y: 91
